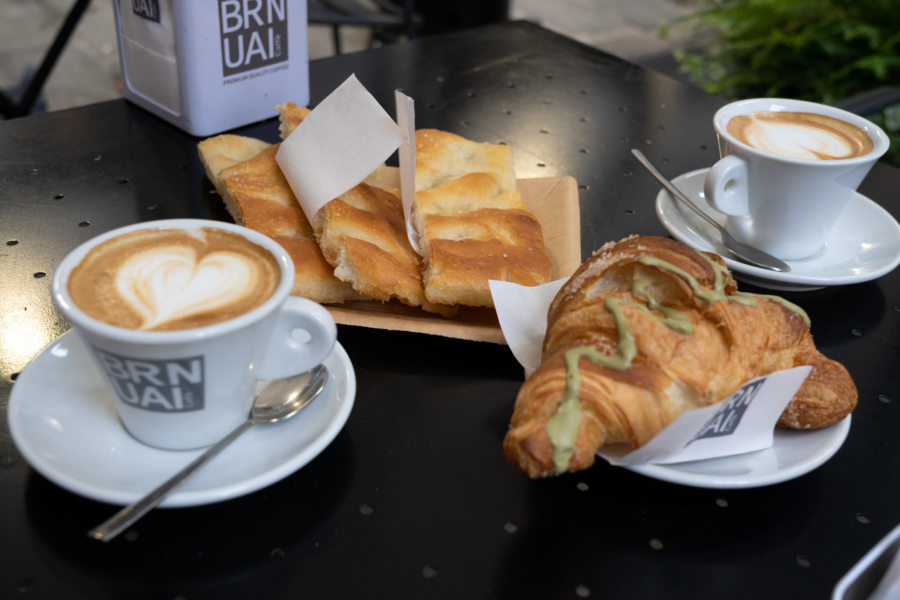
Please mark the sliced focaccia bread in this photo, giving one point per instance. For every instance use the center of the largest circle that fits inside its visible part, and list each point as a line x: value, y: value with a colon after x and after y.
x: 471, y: 221
x: 256, y: 194
x: 362, y: 234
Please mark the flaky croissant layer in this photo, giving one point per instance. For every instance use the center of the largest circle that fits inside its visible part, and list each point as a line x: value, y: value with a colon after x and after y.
x: 645, y: 330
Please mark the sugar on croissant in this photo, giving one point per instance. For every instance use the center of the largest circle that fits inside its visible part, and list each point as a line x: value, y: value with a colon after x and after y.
x: 645, y: 330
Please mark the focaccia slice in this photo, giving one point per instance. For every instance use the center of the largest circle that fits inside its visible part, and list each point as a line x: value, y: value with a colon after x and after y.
x: 256, y: 194
x: 472, y: 223
x: 362, y: 234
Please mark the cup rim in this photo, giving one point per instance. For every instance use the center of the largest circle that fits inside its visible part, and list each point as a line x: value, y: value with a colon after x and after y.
x: 879, y: 138
x: 76, y: 316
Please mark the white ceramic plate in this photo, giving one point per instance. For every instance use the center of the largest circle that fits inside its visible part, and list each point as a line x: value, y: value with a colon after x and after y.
x: 864, y: 245
x: 793, y: 453
x: 64, y: 423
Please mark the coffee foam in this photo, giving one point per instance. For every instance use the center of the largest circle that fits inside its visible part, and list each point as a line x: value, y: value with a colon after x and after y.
x: 161, y: 279
x: 800, y: 135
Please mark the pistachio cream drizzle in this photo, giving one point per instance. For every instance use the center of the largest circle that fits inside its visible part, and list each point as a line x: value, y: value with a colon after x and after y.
x: 562, y: 427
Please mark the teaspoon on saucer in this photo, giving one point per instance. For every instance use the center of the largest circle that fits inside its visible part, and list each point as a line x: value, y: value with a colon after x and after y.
x: 732, y: 247
x: 279, y: 400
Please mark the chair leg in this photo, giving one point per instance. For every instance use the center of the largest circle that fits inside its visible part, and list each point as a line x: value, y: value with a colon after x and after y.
x: 33, y: 90
x: 336, y: 38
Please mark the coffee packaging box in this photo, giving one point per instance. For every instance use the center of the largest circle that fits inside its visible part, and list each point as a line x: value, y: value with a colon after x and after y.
x: 212, y: 65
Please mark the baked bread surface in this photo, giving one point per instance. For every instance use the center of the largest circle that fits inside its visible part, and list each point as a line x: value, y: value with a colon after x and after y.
x: 362, y: 235
x: 733, y: 338
x: 471, y: 221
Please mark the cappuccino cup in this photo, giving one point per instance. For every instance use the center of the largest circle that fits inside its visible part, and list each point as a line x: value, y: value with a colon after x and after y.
x: 788, y: 169
x: 183, y: 317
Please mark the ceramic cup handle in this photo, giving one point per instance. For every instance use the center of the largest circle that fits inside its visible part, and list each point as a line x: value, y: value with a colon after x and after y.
x: 287, y: 355
x: 725, y: 186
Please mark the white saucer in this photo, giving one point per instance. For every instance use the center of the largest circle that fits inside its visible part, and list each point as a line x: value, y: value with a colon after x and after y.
x: 793, y: 453
x: 64, y: 423
x: 864, y: 245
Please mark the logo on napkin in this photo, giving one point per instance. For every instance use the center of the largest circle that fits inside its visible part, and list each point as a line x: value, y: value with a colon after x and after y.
x: 254, y: 34
x: 728, y: 417
x: 146, y: 9
x: 155, y: 385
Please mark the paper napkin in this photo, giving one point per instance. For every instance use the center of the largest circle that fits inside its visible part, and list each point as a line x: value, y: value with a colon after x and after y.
x: 340, y: 143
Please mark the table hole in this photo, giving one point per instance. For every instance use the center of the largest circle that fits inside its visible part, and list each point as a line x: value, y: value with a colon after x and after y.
x: 510, y: 527
x: 665, y: 160
x: 544, y: 131
x: 803, y: 561
x: 885, y: 399
x: 549, y: 75
x: 541, y: 165
x: 584, y: 92
x: 98, y: 158
x: 582, y: 591
x: 585, y: 151
x: 84, y: 224
x: 584, y: 119
x: 627, y: 173
x: 661, y: 127
x: 59, y: 196
x: 507, y: 111
x: 582, y: 486
x: 630, y: 211
x: 40, y: 275
x: 624, y: 139
x: 656, y: 544
x: 704, y: 147
x: 863, y: 518
x: 365, y: 509
x: 152, y: 206
x: 623, y: 109
x: 35, y: 172
x: 583, y: 186
x: 12, y: 243
x: 124, y: 180
x: 277, y: 553
x: 722, y: 502
x: 429, y: 572
x: 547, y: 101
x: 429, y: 105
x: 14, y: 376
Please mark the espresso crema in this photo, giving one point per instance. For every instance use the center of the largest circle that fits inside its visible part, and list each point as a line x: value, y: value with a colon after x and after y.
x: 800, y: 135
x: 170, y: 279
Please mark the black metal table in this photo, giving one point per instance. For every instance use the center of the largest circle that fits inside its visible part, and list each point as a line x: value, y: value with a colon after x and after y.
x: 414, y: 499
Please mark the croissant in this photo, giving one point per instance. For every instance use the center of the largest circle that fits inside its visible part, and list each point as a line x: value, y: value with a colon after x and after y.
x: 645, y: 330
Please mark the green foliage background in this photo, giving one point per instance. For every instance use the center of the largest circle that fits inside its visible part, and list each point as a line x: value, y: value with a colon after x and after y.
x: 820, y: 50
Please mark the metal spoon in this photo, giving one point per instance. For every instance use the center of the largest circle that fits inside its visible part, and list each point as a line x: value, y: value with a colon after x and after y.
x: 734, y: 248
x: 279, y: 400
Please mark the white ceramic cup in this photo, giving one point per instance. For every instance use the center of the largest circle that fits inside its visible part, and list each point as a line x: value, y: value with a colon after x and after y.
x: 783, y: 205
x: 215, y: 366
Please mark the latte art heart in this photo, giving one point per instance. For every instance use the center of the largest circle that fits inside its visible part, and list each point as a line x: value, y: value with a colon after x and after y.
x: 800, y: 135
x: 171, y: 279
x: 168, y: 284
x: 798, y: 140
